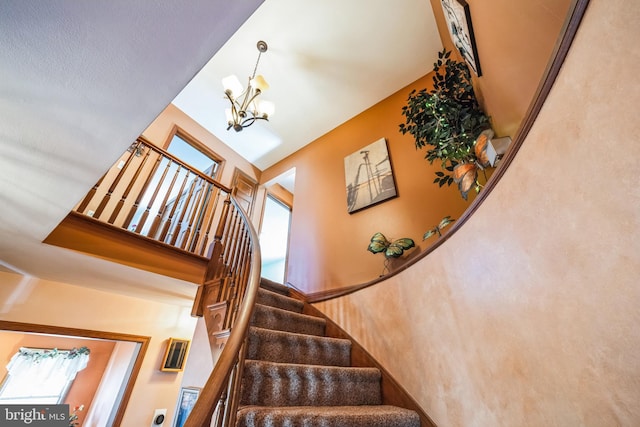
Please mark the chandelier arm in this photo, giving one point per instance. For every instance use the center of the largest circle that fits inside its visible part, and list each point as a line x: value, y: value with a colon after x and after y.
x: 235, y: 115
x: 248, y: 100
x: 251, y: 120
x: 241, y: 117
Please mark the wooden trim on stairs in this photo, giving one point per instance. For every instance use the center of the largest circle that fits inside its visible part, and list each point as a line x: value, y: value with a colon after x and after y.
x: 91, y: 236
x: 567, y: 34
x: 392, y: 392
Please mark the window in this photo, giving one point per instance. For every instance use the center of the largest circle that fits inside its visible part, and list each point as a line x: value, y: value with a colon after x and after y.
x: 194, y: 154
x: 175, y: 208
x: 41, y: 376
x: 274, y: 239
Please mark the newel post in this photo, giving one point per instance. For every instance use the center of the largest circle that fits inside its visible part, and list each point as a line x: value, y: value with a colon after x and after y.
x: 209, y: 291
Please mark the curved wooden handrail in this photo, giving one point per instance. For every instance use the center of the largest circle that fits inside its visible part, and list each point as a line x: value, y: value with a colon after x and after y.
x: 185, y: 165
x: 218, y: 380
x: 567, y: 34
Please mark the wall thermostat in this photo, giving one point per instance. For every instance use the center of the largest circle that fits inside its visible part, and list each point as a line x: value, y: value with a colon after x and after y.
x: 159, y: 416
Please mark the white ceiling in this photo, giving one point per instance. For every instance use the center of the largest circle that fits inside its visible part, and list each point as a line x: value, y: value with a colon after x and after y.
x: 327, y: 62
x: 80, y: 80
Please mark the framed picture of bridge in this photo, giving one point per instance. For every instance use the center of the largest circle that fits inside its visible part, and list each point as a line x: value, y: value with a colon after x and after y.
x: 369, y: 176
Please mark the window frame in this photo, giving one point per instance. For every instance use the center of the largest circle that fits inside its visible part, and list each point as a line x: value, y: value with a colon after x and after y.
x: 195, y: 143
x: 63, y: 392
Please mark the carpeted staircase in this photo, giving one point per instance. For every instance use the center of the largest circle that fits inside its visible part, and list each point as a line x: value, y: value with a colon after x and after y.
x: 295, y: 376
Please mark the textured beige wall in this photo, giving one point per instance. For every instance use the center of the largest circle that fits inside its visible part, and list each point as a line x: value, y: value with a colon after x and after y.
x: 528, y: 316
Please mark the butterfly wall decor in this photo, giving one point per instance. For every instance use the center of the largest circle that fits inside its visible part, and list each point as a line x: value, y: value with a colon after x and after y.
x: 391, y: 249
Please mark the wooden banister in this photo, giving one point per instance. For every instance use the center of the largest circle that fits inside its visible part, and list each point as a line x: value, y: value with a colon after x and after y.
x: 239, y: 263
x: 148, y: 182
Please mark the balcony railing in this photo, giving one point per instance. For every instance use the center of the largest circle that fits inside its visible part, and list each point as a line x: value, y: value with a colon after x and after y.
x: 150, y: 192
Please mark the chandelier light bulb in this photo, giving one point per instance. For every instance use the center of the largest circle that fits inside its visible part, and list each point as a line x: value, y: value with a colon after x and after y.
x: 245, y: 107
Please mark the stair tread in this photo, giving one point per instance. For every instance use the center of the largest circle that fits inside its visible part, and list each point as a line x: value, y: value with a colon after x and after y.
x: 274, y: 286
x: 276, y: 332
x: 291, y: 364
x: 328, y: 416
x: 274, y: 367
x: 269, y: 317
x: 288, y: 347
x: 277, y: 300
x: 291, y: 384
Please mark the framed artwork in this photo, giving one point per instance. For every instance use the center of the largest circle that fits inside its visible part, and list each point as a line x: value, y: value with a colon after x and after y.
x: 369, y: 176
x: 458, y: 17
x: 186, y: 401
x: 175, y: 355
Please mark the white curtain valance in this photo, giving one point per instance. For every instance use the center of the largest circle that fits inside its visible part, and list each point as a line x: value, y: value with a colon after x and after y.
x: 43, y: 363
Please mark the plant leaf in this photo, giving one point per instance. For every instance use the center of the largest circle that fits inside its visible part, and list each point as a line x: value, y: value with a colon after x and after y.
x: 378, y: 243
x: 428, y: 234
x: 376, y: 247
x: 404, y: 243
x: 393, y: 251
x: 445, y: 221
x: 379, y: 237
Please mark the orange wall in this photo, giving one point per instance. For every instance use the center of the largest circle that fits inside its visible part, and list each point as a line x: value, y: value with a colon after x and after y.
x: 514, y: 40
x: 87, y: 380
x: 529, y: 314
x: 328, y: 245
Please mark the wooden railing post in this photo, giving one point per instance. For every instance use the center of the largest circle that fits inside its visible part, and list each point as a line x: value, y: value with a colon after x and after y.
x: 237, y: 292
x: 215, y: 265
x: 228, y: 292
x: 114, y: 184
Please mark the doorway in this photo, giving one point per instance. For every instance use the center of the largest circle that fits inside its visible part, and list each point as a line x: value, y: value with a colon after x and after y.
x: 109, y: 387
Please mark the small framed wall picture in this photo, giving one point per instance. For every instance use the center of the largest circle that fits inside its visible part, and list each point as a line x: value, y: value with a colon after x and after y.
x: 175, y: 355
x: 186, y: 402
x: 458, y: 17
x: 369, y: 177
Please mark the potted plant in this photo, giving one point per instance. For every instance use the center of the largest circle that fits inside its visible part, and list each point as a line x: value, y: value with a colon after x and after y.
x: 448, y: 121
x: 391, y: 248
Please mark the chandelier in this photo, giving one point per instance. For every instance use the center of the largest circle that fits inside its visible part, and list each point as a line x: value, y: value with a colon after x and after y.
x: 245, y: 107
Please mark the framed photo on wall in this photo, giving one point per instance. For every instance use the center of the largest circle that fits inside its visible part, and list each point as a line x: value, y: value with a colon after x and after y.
x: 175, y: 355
x: 458, y: 17
x: 369, y: 177
x: 186, y: 400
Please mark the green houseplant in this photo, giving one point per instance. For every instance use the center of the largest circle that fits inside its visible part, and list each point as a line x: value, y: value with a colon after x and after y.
x: 447, y: 120
x: 391, y: 248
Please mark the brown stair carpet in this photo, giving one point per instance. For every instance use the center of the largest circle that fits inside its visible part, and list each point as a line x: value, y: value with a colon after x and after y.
x: 294, y: 376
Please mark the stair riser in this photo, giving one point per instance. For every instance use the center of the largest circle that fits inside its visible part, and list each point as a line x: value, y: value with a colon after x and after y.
x: 301, y: 385
x: 295, y: 377
x: 301, y: 349
x: 308, y: 417
x: 282, y: 320
x: 276, y: 300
